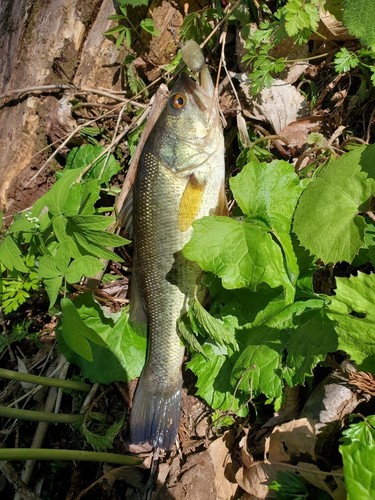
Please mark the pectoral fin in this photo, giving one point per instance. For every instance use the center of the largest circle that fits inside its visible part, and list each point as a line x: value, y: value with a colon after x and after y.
x: 222, y: 204
x: 190, y: 203
x: 137, y: 306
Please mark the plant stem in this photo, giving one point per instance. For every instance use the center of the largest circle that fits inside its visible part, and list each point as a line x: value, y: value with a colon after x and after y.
x: 50, y: 454
x: 51, y: 382
x: 39, y: 416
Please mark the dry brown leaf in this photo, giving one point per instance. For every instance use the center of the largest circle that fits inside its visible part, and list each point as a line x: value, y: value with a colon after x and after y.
x: 331, y: 29
x: 296, y: 132
x: 279, y: 105
x: 225, y: 469
x: 256, y: 478
x: 290, y: 440
x: 209, y: 475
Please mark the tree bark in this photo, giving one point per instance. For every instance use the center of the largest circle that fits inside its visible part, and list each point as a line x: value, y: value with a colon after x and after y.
x: 35, y: 37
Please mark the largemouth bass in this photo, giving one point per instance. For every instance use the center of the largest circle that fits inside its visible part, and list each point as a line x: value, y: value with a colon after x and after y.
x: 180, y: 178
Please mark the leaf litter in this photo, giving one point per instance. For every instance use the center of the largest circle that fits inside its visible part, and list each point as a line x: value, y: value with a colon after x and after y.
x: 273, y: 333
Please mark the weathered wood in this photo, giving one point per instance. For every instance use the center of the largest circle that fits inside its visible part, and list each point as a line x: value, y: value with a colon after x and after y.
x: 34, y: 34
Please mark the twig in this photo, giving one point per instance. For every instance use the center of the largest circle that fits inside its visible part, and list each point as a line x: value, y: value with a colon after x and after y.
x: 40, y: 416
x: 76, y: 91
x: 17, y: 483
x: 371, y: 215
x: 230, y: 10
x: 52, y: 454
x: 48, y: 381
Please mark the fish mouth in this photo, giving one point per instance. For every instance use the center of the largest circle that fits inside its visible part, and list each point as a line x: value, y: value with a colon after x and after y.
x: 204, y: 92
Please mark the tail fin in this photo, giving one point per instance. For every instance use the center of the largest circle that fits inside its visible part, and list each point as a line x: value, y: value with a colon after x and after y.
x: 155, y: 415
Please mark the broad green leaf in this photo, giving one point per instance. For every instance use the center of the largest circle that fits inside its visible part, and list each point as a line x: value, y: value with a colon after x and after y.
x: 10, y: 255
x: 213, y: 385
x: 352, y: 309
x: 87, y: 154
x: 359, y: 467
x: 52, y: 286
x: 326, y: 219
x: 91, y: 222
x: 55, y: 199
x: 23, y: 223
x: 48, y: 268
x: 76, y: 334
x: 309, y: 344
x: 269, y: 192
x: 241, y: 253
x: 124, y: 355
x: 256, y: 367
x: 359, y: 18
x: 83, y: 266
x: 215, y: 329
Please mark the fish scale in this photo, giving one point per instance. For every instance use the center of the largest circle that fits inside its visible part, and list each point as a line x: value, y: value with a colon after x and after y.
x: 180, y: 178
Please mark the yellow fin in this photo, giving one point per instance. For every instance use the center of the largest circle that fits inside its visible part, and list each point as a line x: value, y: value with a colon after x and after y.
x: 190, y: 203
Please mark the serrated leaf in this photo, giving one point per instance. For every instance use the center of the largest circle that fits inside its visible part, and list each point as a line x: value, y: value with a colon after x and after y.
x: 269, y: 193
x: 215, y: 329
x: 249, y: 257
x: 213, y: 385
x: 255, y: 369
x: 359, y: 466
x: 352, y: 310
x: 123, y: 357
x: 326, y: 219
x: 309, y: 344
x: 363, y: 432
x: 86, y: 265
x: 345, y: 61
x: 88, y: 153
x: 359, y: 18
x: 103, y: 441
x: 10, y: 255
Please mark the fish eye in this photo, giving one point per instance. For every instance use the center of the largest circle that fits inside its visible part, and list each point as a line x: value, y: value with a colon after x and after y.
x: 179, y: 101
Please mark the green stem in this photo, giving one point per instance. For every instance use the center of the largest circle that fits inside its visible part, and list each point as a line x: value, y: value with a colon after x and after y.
x: 50, y: 382
x: 39, y: 416
x: 49, y: 454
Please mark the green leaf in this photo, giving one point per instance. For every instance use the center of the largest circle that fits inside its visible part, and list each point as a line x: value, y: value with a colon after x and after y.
x: 352, y: 310
x: 359, y: 18
x: 326, y: 220
x: 269, y: 193
x: 55, y: 199
x: 358, y: 453
x: 149, y: 26
x: 249, y: 257
x: 10, y: 255
x: 256, y: 367
x: 309, y: 344
x: 215, y: 329
x: 48, y: 267
x: 213, y: 372
x: 87, y: 154
x: 52, y: 286
x: 76, y: 334
x: 345, y: 61
x: 123, y: 357
x: 133, y: 3
x: 83, y: 266
x: 103, y: 441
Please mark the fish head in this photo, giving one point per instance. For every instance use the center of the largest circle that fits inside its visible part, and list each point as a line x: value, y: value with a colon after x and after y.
x: 189, y: 130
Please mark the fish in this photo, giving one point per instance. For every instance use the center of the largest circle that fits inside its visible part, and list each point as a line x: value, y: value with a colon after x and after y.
x: 180, y: 178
